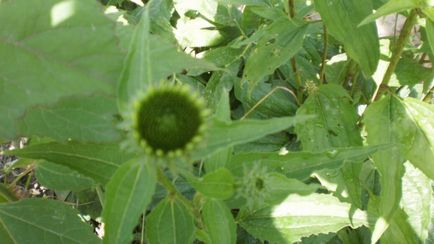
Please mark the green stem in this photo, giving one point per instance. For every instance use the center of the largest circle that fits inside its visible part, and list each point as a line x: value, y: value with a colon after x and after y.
x: 324, y: 56
x: 166, y: 183
x: 396, y: 54
x: 100, y: 194
x: 291, y: 6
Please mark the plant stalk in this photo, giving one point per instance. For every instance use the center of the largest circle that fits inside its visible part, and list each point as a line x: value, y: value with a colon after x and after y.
x: 291, y: 6
x: 324, y: 56
x: 396, y: 54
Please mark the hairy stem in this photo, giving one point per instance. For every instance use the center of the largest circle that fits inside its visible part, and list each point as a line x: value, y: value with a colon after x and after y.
x: 396, y: 54
x: 171, y: 189
x: 324, y: 56
x: 291, y: 6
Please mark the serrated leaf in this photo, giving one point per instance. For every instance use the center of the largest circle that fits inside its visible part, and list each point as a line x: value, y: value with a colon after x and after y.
x: 299, y: 216
x: 281, y: 41
x: 335, y: 122
x: 43, y: 221
x: 80, y: 118
x: 54, y: 49
x: 61, y: 178
x: 170, y: 222
x: 417, y: 134
x: 279, y: 187
x: 416, y: 200
x: 361, y: 42
x: 150, y: 59
x: 383, y: 119
x: 98, y: 161
x: 226, y: 134
x: 128, y: 194
x: 219, y: 184
x: 301, y: 165
x: 219, y: 222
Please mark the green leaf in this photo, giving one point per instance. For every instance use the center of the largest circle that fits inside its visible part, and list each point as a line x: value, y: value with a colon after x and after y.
x: 219, y: 222
x: 416, y: 200
x: 393, y: 6
x: 61, y: 178
x: 222, y: 112
x: 55, y: 49
x: 281, y: 41
x: 97, y: 161
x: 383, y: 120
x: 226, y: 134
x: 43, y: 221
x: 218, y: 184
x: 342, y: 18
x: 344, y: 183
x: 149, y: 60
x: 400, y: 231
x: 6, y: 195
x: 128, y: 194
x: 170, y: 222
x: 335, y: 124
x: 81, y: 118
x: 299, y: 216
x: 279, y: 187
x: 430, y: 33
x: 301, y: 165
x: 416, y: 133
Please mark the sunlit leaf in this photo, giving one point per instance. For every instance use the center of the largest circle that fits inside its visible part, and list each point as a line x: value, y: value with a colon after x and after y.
x: 53, y: 49
x: 128, y: 194
x: 299, y: 216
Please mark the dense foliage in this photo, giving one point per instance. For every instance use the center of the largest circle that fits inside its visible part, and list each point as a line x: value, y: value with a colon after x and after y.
x: 218, y: 121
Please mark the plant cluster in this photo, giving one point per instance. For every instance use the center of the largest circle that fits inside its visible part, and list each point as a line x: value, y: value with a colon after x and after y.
x: 217, y: 121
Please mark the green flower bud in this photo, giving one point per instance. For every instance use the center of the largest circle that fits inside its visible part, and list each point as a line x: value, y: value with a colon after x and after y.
x: 168, y: 121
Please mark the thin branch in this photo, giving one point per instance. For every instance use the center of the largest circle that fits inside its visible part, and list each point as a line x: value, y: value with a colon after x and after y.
x: 324, y: 55
x: 267, y: 96
x: 291, y: 6
x: 396, y: 54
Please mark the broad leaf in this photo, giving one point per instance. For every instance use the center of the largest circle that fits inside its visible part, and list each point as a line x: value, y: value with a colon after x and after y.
x: 150, y: 59
x: 416, y: 200
x: 301, y: 165
x: 416, y: 133
x: 128, y: 194
x: 299, y: 216
x: 170, y: 222
x: 219, y: 222
x: 342, y: 18
x: 226, y: 134
x: 335, y: 122
x: 281, y: 41
x: 43, y: 221
x: 53, y: 49
x: 383, y: 119
x: 98, y: 161
x: 61, y: 178
x: 219, y: 184
x: 80, y: 118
